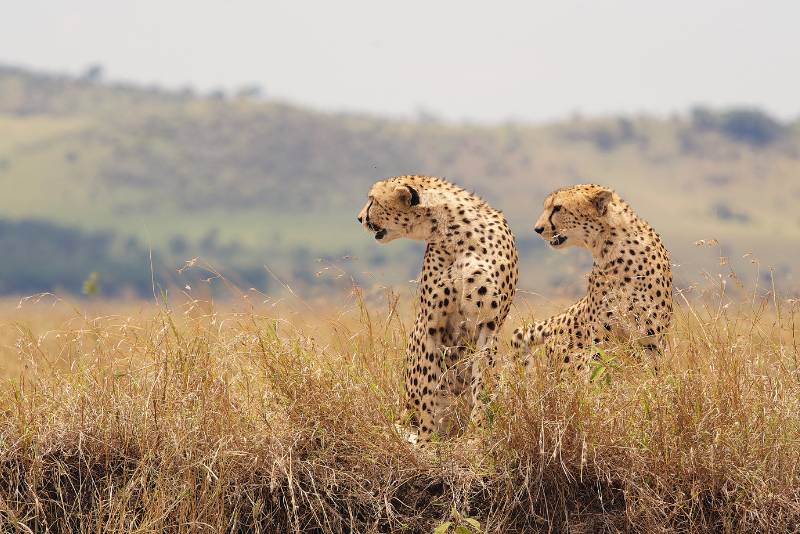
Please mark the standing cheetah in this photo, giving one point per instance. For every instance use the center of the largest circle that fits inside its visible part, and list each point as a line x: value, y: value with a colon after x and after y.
x: 468, y: 279
x: 630, y: 285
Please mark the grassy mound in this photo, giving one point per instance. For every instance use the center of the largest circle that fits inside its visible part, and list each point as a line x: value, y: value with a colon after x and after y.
x: 257, y: 418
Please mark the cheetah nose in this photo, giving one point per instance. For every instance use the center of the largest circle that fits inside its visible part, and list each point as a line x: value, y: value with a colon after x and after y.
x: 360, y: 219
x: 539, y: 229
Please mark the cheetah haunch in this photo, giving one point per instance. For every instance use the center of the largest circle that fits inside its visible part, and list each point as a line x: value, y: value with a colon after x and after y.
x: 468, y: 279
x: 630, y: 285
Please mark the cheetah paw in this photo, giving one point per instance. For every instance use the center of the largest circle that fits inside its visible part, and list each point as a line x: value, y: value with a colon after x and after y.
x: 408, y: 435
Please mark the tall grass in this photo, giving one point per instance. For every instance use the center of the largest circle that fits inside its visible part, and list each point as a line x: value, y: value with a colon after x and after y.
x: 249, y: 417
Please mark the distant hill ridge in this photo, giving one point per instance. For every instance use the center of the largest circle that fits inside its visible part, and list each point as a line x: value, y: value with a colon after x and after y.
x: 246, y: 181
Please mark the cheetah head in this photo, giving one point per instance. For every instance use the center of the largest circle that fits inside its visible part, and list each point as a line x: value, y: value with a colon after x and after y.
x: 395, y: 209
x: 573, y: 216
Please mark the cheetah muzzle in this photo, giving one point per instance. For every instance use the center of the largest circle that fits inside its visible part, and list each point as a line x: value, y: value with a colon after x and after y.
x: 380, y: 233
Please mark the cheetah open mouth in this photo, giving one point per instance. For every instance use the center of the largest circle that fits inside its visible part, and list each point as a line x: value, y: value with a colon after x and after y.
x: 558, y: 240
x: 380, y: 233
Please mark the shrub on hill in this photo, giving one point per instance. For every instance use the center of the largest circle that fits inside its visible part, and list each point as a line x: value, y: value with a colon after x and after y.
x: 743, y: 125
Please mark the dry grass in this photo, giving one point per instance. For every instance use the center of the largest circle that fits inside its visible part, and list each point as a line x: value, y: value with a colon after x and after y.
x: 256, y: 418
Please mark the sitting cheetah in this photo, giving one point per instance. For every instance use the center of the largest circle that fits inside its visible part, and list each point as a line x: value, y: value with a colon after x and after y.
x: 630, y: 285
x: 468, y: 279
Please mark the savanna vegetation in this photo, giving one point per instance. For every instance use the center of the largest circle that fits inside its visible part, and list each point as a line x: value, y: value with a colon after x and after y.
x: 267, y: 416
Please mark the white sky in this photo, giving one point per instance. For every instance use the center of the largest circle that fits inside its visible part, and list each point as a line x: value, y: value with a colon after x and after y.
x: 460, y: 59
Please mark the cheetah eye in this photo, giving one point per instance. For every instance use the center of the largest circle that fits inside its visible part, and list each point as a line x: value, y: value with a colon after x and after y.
x: 556, y: 208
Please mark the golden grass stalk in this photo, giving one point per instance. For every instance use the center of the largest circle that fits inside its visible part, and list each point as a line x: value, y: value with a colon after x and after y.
x: 252, y: 418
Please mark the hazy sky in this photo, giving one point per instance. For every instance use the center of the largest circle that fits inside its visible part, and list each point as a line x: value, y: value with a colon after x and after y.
x: 461, y: 59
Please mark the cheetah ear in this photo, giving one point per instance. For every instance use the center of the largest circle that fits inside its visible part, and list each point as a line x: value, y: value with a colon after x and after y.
x: 601, y: 200
x: 408, y: 195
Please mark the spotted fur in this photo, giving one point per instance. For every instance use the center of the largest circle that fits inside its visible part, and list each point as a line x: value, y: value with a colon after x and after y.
x: 468, y: 279
x: 629, y: 297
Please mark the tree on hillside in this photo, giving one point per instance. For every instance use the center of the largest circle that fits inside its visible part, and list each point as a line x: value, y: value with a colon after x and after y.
x: 743, y: 125
x: 751, y: 126
x: 93, y: 73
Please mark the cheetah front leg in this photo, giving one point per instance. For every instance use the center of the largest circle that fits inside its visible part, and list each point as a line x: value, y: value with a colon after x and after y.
x: 481, y: 363
x: 430, y: 396
x: 539, y: 331
x: 524, y: 338
x: 478, y: 308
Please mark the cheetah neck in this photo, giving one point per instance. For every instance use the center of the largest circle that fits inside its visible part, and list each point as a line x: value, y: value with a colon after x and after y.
x: 460, y: 225
x: 613, y: 239
x: 453, y: 218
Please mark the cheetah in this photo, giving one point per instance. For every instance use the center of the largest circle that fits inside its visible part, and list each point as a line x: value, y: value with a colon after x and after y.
x: 630, y: 286
x: 468, y: 279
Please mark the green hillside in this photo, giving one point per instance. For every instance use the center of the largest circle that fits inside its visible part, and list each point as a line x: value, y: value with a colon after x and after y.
x: 246, y: 182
